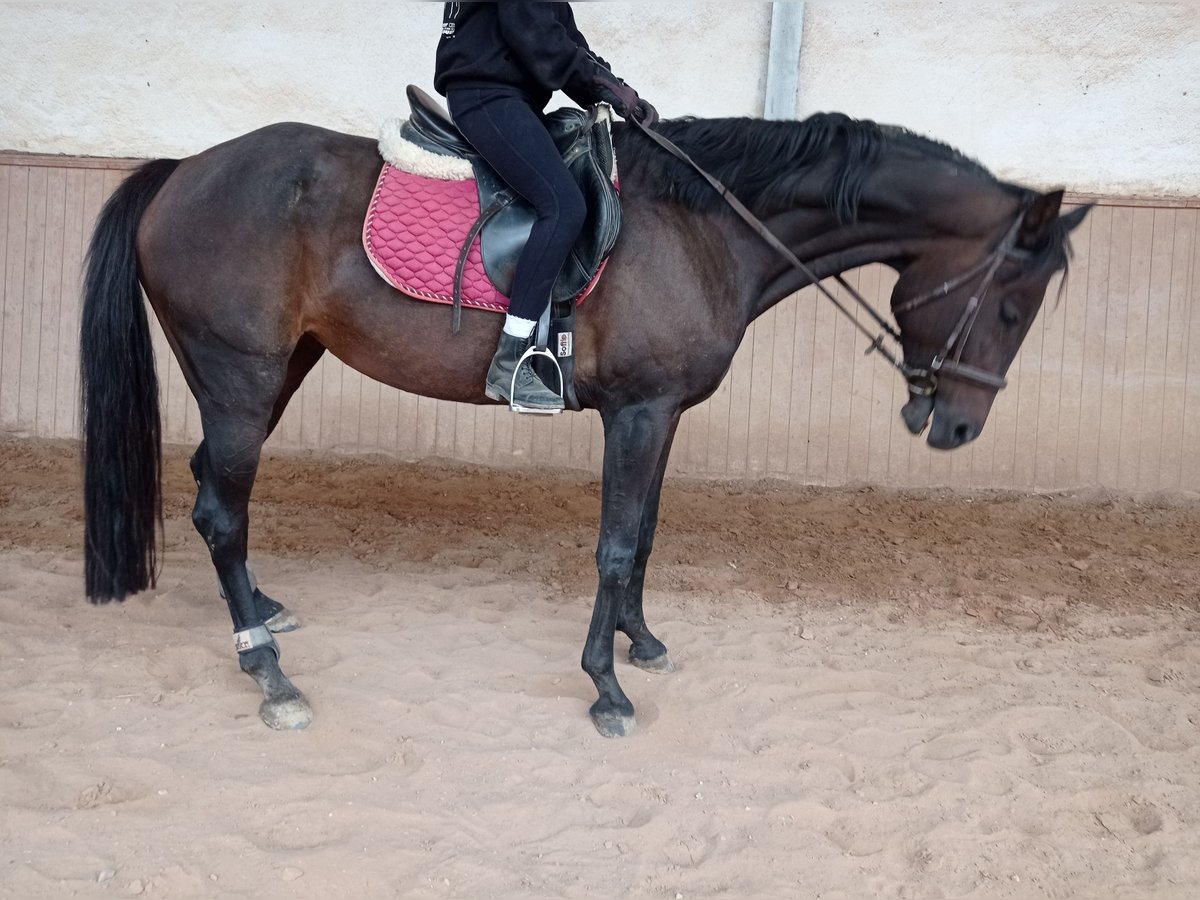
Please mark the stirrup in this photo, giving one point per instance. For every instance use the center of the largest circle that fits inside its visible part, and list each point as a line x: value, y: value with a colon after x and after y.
x: 533, y: 351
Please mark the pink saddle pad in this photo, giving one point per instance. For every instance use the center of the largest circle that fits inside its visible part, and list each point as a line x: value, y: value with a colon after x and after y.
x: 414, y: 232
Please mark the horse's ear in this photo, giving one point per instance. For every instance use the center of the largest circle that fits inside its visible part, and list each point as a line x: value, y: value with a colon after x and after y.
x: 1075, y: 217
x: 1039, y: 220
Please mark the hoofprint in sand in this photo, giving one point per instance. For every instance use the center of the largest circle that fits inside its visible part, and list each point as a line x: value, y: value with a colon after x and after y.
x: 877, y: 695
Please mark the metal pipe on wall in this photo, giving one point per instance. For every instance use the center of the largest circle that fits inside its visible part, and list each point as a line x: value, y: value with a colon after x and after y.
x: 783, y: 59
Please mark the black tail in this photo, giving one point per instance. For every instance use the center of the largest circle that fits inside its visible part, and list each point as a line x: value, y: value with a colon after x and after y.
x: 122, y: 448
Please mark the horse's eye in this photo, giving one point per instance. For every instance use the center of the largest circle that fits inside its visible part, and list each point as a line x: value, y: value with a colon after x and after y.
x: 1009, y: 314
x: 1008, y: 272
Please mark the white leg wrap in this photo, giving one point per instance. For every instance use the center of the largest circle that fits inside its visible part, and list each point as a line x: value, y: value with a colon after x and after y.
x: 253, y: 638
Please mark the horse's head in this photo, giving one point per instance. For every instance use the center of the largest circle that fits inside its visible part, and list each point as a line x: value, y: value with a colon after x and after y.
x: 963, y: 308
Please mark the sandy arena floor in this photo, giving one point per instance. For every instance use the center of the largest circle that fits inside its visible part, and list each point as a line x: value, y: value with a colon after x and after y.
x: 878, y: 695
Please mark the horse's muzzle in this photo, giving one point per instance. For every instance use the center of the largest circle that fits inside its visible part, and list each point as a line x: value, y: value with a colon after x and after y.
x: 916, y: 412
x: 948, y: 431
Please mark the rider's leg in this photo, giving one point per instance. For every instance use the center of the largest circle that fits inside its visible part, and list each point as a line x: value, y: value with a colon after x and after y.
x: 510, y: 135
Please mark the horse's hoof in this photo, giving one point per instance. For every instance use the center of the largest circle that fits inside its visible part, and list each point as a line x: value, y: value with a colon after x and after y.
x: 293, y: 713
x: 614, y: 725
x: 283, y: 621
x: 660, y: 665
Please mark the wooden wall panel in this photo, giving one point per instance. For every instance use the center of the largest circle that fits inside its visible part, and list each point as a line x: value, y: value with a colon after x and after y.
x: 10, y: 296
x: 12, y: 317
x: 1105, y: 391
x: 1190, y: 325
x: 1182, y: 313
x: 67, y: 361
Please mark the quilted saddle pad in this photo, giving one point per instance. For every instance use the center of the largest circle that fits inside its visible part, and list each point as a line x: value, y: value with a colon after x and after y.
x: 414, y: 232
x: 421, y: 213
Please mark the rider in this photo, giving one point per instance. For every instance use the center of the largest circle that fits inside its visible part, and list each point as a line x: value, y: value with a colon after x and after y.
x: 497, y: 65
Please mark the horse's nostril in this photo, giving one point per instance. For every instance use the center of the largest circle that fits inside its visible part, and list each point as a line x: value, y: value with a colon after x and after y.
x: 963, y: 434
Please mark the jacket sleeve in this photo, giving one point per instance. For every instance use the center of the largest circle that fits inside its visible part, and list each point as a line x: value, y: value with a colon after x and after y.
x: 579, y: 39
x: 547, y: 47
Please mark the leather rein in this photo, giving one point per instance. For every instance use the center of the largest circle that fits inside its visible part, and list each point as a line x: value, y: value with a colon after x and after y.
x: 946, y: 362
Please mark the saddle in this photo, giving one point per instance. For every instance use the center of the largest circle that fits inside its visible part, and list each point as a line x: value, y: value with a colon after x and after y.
x: 583, y: 137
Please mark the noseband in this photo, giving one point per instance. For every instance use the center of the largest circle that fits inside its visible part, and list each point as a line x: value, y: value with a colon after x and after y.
x: 947, y: 362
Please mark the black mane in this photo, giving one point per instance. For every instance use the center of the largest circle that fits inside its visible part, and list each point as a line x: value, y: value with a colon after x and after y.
x: 763, y: 162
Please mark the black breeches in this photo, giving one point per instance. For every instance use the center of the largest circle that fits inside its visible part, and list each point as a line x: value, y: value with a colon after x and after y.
x: 508, y: 133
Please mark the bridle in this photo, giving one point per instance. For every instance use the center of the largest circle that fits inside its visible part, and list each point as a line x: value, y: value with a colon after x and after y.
x: 947, y: 362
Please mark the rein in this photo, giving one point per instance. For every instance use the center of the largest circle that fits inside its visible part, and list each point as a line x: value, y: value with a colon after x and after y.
x: 947, y: 361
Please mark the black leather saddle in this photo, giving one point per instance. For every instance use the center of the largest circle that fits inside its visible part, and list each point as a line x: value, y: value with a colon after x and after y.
x: 585, y: 140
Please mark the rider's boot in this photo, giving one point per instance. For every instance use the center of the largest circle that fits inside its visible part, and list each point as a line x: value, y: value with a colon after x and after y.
x: 530, y: 392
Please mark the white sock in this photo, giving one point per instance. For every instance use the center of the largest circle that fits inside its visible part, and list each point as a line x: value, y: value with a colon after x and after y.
x: 518, y: 327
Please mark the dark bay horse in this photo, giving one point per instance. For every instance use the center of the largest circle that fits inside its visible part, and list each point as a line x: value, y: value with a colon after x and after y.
x: 250, y: 254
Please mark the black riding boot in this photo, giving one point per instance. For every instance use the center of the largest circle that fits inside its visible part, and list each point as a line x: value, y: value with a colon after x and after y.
x: 530, y: 393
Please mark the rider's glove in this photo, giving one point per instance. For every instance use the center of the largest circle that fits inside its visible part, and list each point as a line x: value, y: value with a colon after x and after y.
x: 624, y: 99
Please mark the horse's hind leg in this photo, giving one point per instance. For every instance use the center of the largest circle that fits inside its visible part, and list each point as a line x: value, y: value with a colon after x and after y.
x: 645, y: 650
x: 226, y: 464
x: 278, y: 618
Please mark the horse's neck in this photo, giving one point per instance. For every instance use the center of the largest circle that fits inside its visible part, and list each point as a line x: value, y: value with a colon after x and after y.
x: 826, y: 249
x: 903, y: 212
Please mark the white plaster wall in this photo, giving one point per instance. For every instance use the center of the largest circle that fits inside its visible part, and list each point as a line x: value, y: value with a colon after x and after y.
x: 1101, y: 97
x: 130, y: 78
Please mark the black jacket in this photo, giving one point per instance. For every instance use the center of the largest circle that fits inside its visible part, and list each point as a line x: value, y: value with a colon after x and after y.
x: 529, y: 45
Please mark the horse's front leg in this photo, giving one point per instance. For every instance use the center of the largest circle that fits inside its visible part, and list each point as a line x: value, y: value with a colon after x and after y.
x: 634, y: 440
x: 645, y: 650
